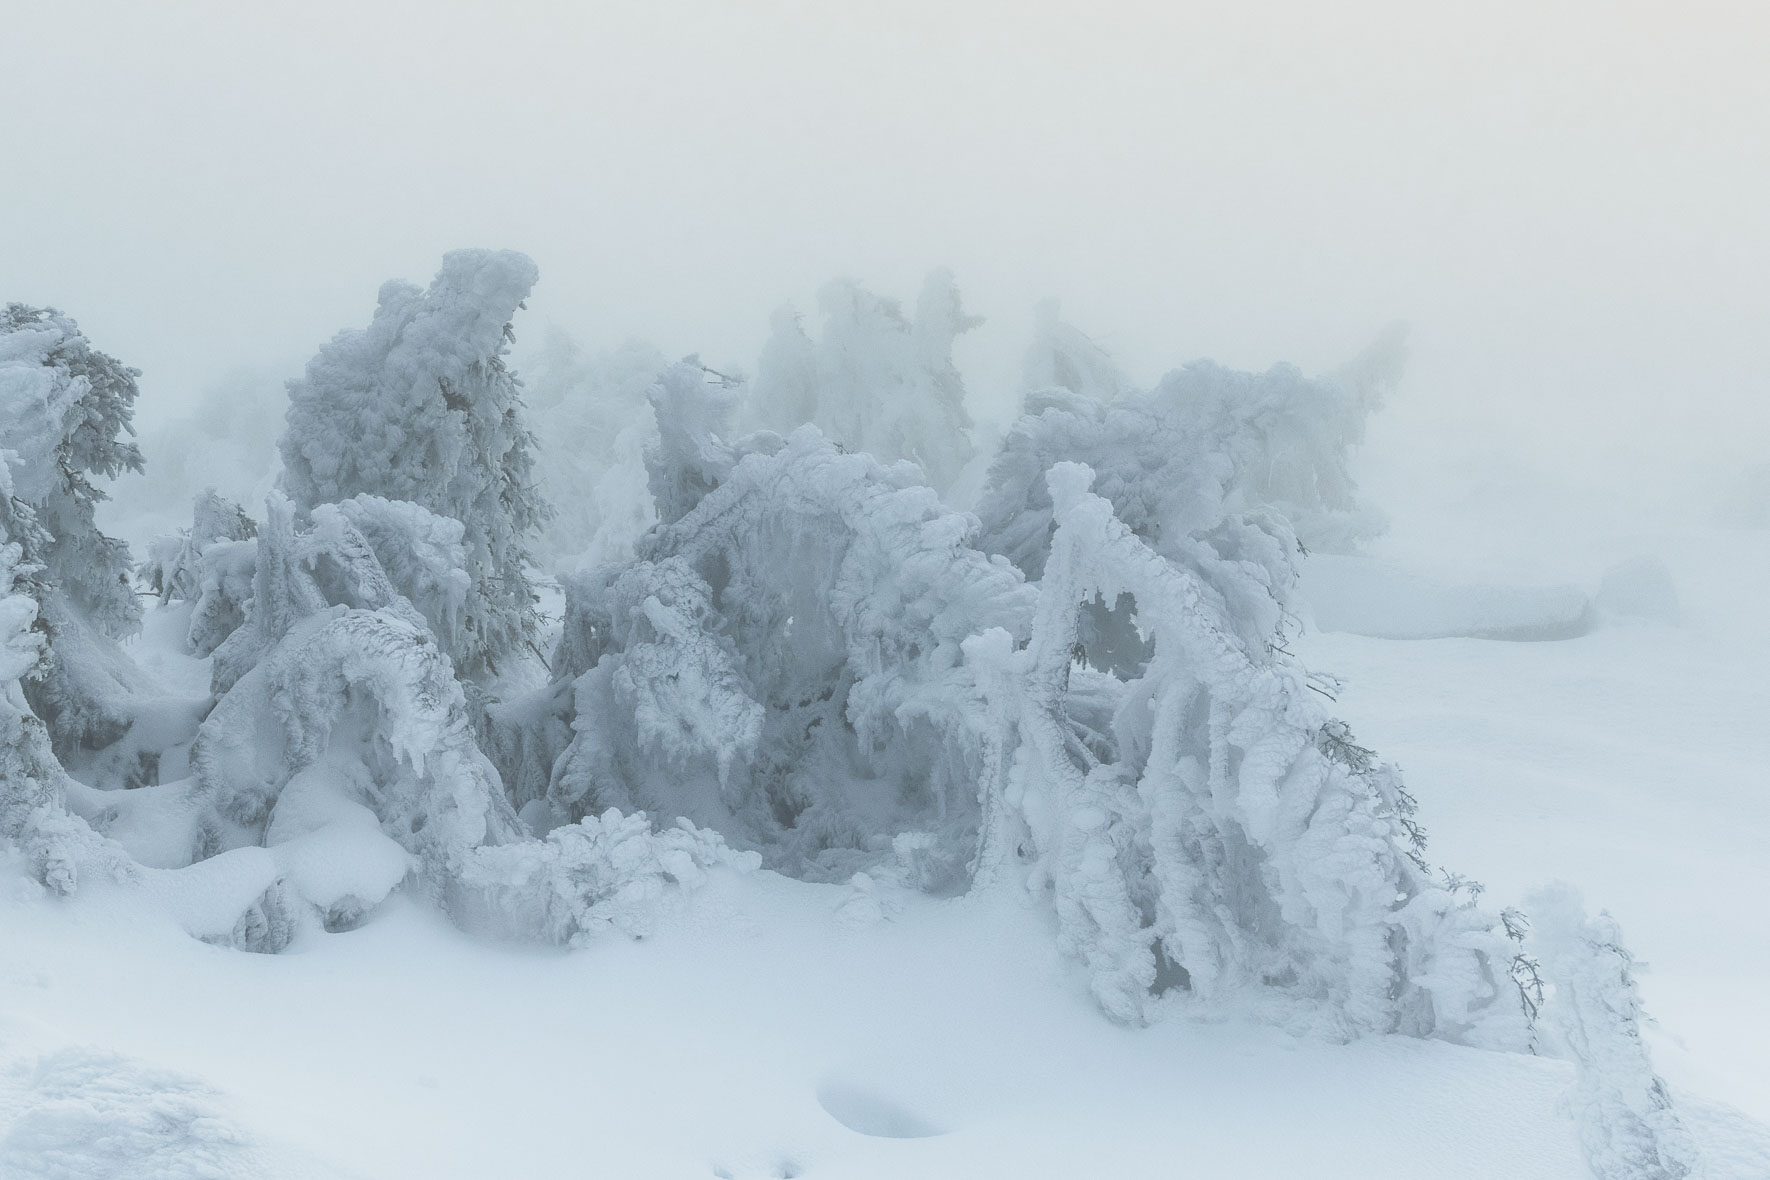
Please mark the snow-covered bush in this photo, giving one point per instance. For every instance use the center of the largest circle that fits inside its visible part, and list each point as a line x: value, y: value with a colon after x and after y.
x: 875, y: 380
x: 421, y: 407
x: 606, y: 873
x: 343, y: 745
x: 1592, y: 1014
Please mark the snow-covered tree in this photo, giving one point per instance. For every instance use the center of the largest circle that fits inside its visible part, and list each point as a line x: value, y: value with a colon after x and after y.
x: 67, y: 410
x: 1193, y: 805
x: 591, y: 411
x: 65, y: 413
x: 782, y: 663
x: 812, y: 657
x: 875, y: 380
x: 421, y: 407
x: 1211, y: 465
x: 173, y: 568
x: 48, y: 816
x: 1062, y: 357
x: 1592, y: 1014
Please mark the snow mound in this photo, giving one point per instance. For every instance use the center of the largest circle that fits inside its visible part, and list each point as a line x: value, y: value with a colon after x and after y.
x: 1641, y: 588
x: 1369, y: 597
x: 86, y: 1114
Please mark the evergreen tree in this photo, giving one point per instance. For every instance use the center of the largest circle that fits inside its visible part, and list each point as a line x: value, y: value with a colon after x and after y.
x: 421, y: 406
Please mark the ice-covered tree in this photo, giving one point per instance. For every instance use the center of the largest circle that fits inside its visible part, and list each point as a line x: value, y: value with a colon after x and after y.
x: 1593, y: 1015
x: 812, y: 657
x: 875, y: 380
x: 1189, y: 803
x: 67, y: 410
x: 1210, y: 465
x: 782, y: 662
x: 65, y: 413
x: 48, y: 816
x: 421, y: 407
x: 173, y: 567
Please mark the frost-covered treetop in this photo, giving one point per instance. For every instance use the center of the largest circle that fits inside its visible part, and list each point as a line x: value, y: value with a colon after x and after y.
x: 78, y: 401
x: 67, y: 411
x: 421, y: 407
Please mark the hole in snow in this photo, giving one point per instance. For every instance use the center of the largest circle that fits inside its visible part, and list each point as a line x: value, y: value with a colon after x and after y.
x: 868, y: 1113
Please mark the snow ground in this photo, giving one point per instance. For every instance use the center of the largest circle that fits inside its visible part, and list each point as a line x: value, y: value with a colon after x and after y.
x: 776, y: 1028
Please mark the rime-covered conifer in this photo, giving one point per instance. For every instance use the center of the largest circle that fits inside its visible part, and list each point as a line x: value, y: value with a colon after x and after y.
x: 1593, y: 1015
x: 66, y: 413
x: 421, y: 407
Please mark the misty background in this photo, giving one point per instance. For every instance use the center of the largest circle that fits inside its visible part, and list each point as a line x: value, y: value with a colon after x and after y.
x: 1565, y: 201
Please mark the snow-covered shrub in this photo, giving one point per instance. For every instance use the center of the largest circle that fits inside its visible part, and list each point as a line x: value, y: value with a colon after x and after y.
x: 605, y: 873
x: 875, y: 380
x: 1592, y: 1014
x: 421, y: 407
x: 364, y: 705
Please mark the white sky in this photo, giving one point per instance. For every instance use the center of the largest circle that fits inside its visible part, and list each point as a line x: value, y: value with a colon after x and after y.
x: 1568, y: 202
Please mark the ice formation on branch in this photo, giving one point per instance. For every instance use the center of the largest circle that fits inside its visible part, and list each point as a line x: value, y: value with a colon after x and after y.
x: 421, y: 407
x: 875, y: 380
